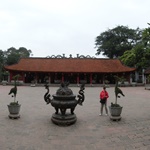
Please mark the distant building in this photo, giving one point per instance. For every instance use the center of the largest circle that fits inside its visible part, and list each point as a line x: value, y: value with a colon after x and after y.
x: 75, y: 70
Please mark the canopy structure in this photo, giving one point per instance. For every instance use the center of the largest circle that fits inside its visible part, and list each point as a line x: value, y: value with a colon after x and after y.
x: 68, y: 68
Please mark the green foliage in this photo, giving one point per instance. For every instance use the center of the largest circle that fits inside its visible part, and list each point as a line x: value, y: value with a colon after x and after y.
x: 148, y: 78
x: 115, y: 105
x: 14, y: 103
x: 146, y: 37
x: 139, y: 56
x: 114, y: 42
x: 1, y: 64
x: 128, y: 58
x: 5, y: 75
x: 13, y: 55
x: 122, y: 79
x: 106, y: 81
x: 1, y: 57
x: 16, y: 77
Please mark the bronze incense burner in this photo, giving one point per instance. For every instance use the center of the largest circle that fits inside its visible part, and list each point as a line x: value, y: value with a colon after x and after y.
x: 64, y: 99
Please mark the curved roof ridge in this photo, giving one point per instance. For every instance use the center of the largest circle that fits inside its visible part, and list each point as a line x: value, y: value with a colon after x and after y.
x: 69, y: 65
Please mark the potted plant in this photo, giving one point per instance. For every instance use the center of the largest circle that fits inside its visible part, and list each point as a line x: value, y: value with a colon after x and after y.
x: 115, y: 109
x: 14, y: 107
x: 106, y: 83
x: 121, y: 81
x: 5, y: 75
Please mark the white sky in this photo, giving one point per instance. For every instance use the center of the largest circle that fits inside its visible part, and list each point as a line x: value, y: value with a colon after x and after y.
x: 52, y: 27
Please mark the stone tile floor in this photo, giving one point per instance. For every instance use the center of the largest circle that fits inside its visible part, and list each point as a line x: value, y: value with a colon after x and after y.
x: 35, y: 131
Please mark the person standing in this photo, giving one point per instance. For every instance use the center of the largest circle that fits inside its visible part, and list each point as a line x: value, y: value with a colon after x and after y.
x: 103, y: 100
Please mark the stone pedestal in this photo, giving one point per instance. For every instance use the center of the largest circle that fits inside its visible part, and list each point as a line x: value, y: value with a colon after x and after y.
x: 14, y: 111
x: 64, y: 120
x: 14, y: 116
x: 115, y: 118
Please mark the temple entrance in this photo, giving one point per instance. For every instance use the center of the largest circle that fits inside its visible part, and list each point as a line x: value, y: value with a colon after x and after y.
x: 29, y: 77
x: 70, y: 77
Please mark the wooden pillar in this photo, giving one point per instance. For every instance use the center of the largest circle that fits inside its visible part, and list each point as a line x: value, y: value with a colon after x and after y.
x: 103, y: 79
x: 10, y: 76
x: 143, y: 76
x: 23, y: 77
x: 90, y: 78
x: 36, y: 78
x: 85, y: 77
x: 78, y: 79
x: 49, y: 78
x: 62, y: 78
x: 130, y: 78
x: 55, y: 77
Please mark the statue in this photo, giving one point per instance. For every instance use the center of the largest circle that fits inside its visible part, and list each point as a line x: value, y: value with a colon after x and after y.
x: 117, y: 90
x: 81, y: 96
x: 47, y: 95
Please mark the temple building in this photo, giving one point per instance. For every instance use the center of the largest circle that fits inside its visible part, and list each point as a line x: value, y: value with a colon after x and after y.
x: 73, y: 70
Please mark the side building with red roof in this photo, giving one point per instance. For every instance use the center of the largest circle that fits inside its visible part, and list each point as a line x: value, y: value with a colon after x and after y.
x: 74, y: 70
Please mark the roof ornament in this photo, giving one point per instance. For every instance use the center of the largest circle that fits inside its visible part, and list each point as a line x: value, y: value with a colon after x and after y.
x: 81, y: 56
x: 70, y: 56
x: 58, y: 56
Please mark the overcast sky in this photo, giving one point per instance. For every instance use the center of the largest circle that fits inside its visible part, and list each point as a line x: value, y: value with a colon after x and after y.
x: 52, y: 27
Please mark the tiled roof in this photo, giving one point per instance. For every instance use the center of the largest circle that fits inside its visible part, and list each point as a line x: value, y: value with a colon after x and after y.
x: 69, y: 65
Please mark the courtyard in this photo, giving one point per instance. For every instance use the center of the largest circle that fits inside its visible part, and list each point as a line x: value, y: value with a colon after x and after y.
x: 35, y: 131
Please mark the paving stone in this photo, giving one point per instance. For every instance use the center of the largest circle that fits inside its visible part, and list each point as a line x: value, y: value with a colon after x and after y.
x: 34, y: 129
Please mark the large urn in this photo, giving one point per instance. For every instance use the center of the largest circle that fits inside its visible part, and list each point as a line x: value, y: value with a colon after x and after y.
x: 63, y: 100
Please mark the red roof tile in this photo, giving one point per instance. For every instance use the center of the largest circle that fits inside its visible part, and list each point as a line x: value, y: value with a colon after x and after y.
x: 69, y: 65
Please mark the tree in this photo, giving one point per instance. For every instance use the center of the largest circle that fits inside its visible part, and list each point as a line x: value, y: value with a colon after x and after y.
x: 1, y: 63
x: 114, y: 42
x: 146, y: 37
x: 1, y: 57
x: 23, y: 52
x: 13, y: 55
x: 139, y: 56
x: 129, y: 58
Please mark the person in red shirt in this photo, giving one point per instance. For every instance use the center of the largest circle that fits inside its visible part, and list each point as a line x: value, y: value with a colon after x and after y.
x: 103, y: 100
